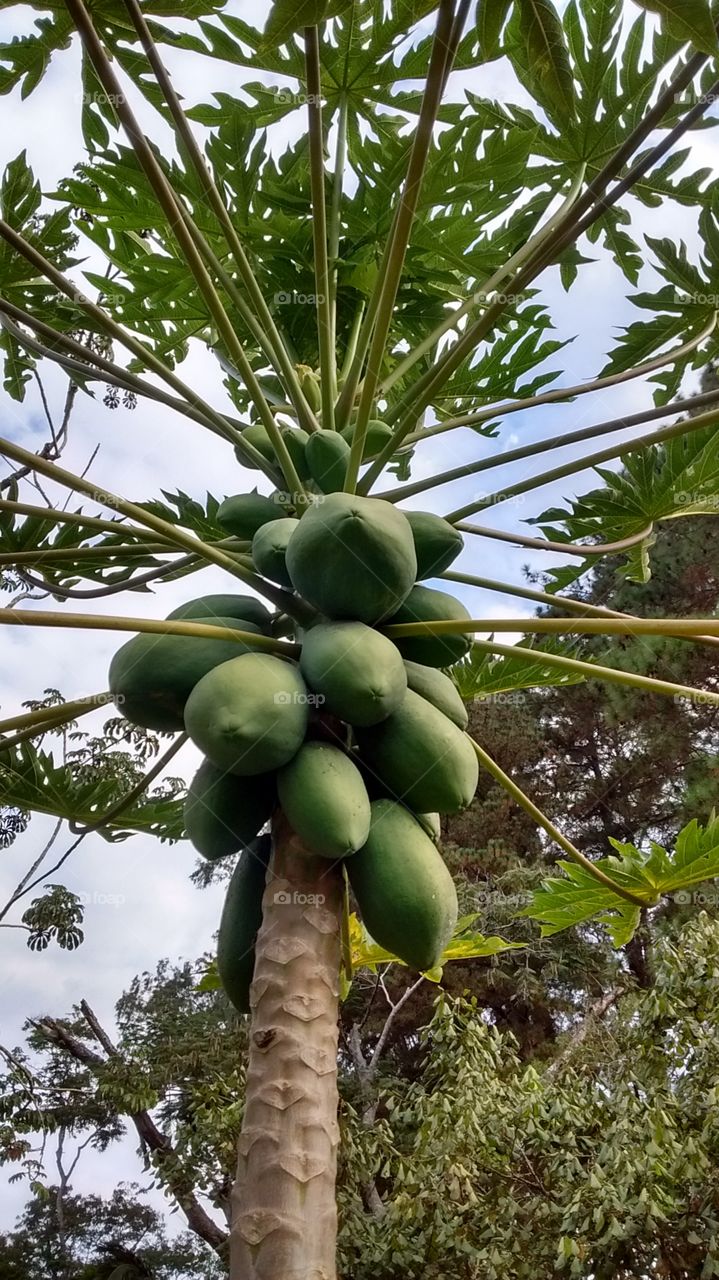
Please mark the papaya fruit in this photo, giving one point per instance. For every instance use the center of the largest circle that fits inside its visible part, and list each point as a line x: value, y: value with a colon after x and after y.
x: 378, y: 435
x: 405, y: 894
x: 431, y: 824
x: 438, y: 689
x: 296, y: 441
x: 269, y: 548
x: 240, y: 923
x: 325, y: 800
x: 242, y: 608
x: 327, y: 456
x: 152, y: 676
x: 356, y: 670
x: 224, y: 812
x: 244, y: 513
x: 421, y: 757
x: 256, y: 435
x: 353, y: 557
x: 424, y: 604
x: 436, y: 542
x: 252, y: 717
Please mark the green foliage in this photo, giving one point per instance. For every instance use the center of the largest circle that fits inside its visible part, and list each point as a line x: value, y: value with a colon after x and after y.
x: 576, y: 897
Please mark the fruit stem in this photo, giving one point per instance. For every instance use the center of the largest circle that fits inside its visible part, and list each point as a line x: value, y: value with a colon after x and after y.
x: 328, y: 366
x: 269, y: 337
x: 154, y: 626
x: 546, y: 823
x: 588, y: 460
x: 593, y: 671
x: 444, y: 48
x: 559, y: 394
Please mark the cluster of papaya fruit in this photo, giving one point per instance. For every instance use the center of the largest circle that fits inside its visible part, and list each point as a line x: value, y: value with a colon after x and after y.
x: 359, y: 738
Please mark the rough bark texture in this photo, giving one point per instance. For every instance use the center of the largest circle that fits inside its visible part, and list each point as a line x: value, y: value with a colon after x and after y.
x: 284, y: 1219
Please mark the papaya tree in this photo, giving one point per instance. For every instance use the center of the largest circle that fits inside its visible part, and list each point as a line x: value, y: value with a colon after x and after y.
x: 417, y: 219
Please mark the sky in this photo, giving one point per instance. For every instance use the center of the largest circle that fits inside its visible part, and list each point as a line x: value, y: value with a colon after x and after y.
x: 140, y: 905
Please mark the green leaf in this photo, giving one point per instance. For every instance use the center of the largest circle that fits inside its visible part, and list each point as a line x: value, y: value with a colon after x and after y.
x: 483, y: 675
x: 491, y: 17
x: 463, y: 946
x: 577, y: 897
x: 547, y: 57
x: 686, y: 20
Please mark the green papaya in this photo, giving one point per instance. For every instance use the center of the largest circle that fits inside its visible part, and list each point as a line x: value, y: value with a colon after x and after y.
x: 436, y: 542
x: 325, y: 800
x: 421, y: 757
x: 258, y: 436
x: 240, y: 923
x: 438, y: 689
x: 224, y: 812
x: 152, y: 676
x: 432, y: 825
x: 327, y: 457
x: 353, y: 557
x: 356, y: 670
x: 242, y: 608
x: 250, y: 718
x: 378, y: 435
x: 405, y: 894
x: 296, y: 441
x: 244, y: 513
x: 269, y: 548
x: 424, y: 604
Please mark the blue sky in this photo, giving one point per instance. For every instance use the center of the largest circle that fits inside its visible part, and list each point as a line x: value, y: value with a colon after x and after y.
x: 141, y: 905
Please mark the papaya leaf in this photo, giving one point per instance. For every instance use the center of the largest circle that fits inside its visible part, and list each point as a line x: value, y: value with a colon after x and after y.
x: 546, y: 58
x: 483, y: 675
x: 289, y: 16
x: 686, y: 20
x: 660, y: 482
x: 491, y: 17
x: 31, y: 780
x: 366, y: 954
x: 576, y: 898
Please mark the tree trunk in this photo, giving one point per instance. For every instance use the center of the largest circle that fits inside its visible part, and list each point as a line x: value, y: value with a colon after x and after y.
x: 284, y: 1217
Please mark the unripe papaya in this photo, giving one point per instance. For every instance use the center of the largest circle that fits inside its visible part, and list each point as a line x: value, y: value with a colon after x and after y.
x: 310, y: 384
x: 296, y: 441
x: 224, y: 812
x: 421, y: 757
x: 432, y: 825
x: 152, y: 676
x: 269, y: 548
x: 378, y: 435
x: 325, y: 800
x: 356, y: 670
x: 436, y: 542
x: 406, y: 896
x: 438, y: 689
x: 353, y: 557
x: 258, y: 436
x: 327, y: 457
x: 243, y: 608
x: 240, y: 923
x: 423, y: 604
x: 252, y: 717
x: 244, y: 513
